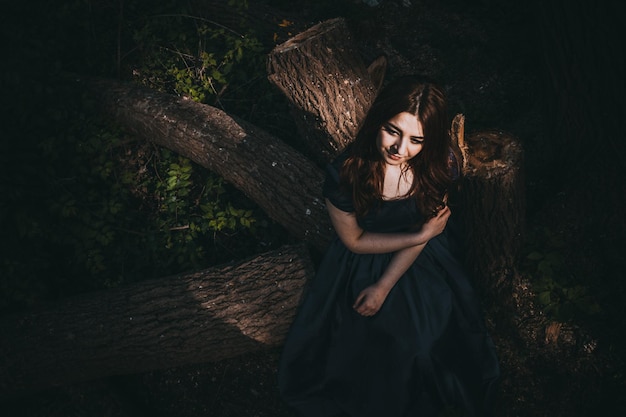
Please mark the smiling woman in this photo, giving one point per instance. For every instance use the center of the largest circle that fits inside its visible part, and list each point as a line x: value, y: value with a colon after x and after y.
x: 400, y: 139
x: 391, y: 325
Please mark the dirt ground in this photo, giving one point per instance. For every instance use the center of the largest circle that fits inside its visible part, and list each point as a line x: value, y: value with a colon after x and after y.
x: 487, y: 57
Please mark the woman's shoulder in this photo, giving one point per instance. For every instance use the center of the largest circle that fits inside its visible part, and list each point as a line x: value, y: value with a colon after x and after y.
x: 333, y: 188
x: 338, y: 161
x: 333, y: 168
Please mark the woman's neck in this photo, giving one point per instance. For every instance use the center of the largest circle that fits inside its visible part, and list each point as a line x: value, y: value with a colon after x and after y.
x: 398, y: 181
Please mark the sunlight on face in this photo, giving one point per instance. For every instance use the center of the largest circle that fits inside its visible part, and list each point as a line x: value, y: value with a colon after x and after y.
x: 400, y: 138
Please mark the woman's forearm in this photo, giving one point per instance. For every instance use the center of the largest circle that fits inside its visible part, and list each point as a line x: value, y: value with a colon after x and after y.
x: 360, y: 241
x: 370, y: 299
x: 375, y: 243
x: 400, y: 263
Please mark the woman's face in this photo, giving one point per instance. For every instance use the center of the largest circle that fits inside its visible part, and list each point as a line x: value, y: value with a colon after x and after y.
x: 400, y: 139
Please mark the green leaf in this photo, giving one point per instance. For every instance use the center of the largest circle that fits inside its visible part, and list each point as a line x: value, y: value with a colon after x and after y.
x: 544, y: 298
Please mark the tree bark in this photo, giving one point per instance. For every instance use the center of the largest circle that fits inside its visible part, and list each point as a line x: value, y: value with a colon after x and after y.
x: 493, y: 201
x: 205, y: 316
x: 328, y: 85
x: 283, y: 182
x: 227, y: 311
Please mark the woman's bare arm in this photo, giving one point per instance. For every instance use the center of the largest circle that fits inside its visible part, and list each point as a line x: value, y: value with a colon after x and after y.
x: 371, y: 299
x: 407, y: 247
x: 360, y: 241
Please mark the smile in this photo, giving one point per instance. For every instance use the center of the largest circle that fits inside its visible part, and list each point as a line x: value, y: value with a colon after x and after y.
x: 394, y: 156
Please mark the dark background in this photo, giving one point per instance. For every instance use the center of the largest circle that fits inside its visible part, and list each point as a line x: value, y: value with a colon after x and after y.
x: 549, y: 72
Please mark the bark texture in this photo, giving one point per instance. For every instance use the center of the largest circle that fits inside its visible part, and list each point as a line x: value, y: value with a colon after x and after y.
x: 493, y: 198
x: 457, y: 133
x: 205, y: 316
x: 328, y: 85
x: 284, y: 183
x: 226, y: 311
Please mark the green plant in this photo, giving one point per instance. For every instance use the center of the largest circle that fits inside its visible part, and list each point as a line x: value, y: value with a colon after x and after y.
x: 86, y: 206
x: 195, y: 56
x: 559, y: 291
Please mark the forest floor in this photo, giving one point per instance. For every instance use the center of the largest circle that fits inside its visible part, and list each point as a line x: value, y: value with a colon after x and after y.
x: 489, y: 66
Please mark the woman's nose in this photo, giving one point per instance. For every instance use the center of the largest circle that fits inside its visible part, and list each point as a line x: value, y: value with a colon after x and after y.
x: 400, y: 146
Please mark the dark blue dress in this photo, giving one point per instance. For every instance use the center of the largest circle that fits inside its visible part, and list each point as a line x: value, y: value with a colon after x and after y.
x: 426, y: 349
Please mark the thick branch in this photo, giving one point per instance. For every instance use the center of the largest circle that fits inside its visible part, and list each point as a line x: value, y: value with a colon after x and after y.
x: 224, y: 312
x: 205, y: 316
x: 285, y: 184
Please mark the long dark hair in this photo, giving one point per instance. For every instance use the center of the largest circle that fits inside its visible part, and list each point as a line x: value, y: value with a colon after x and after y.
x: 364, y: 169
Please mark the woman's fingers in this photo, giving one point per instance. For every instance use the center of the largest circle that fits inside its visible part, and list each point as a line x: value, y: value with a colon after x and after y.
x: 360, y: 305
x: 369, y: 301
x: 364, y: 307
x: 359, y: 300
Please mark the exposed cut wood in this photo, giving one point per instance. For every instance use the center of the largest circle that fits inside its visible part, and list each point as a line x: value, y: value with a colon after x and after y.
x: 328, y: 85
x: 457, y: 132
x: 493, y: 198
x: 227, y: 311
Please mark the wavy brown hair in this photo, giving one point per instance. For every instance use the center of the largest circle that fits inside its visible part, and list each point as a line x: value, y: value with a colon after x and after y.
x: 364, y: 169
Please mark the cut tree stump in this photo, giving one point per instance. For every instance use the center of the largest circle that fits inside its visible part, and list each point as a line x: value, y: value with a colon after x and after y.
x: 227, y: 311
x: 205, y: 316
x: 493, y: 201
x: 328, y: 85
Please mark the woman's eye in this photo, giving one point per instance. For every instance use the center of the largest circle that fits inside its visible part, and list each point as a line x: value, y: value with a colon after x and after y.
x: 417, y: 141
x: 390, y: 130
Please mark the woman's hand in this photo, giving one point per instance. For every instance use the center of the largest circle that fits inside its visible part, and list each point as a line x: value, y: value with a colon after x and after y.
x: 370, y: 300
x: 435, y: 225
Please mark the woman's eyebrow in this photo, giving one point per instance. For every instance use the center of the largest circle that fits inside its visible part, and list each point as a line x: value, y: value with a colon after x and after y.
x: 400, y: 130
x: 391, y: 125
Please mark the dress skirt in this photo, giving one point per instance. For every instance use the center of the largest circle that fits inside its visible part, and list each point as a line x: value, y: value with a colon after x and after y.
x: 426, y: 350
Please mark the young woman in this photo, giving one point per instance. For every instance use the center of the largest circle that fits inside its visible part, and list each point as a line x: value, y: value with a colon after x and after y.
x: 391, y: 326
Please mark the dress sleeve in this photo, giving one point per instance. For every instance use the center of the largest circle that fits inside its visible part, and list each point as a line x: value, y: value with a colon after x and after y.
x: 454, y: 165
x: 333, y: 191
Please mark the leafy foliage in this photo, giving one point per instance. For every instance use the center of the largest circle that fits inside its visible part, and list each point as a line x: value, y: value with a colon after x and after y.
x: 558, y: 289
x: 86, y: 206
x: 203, y: 73
x: 101, y: 209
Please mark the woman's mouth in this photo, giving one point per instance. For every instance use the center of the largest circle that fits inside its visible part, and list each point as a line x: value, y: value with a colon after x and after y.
x: 394, y: 156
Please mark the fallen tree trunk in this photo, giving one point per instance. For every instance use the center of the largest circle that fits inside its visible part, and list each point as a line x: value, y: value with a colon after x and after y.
x: 205, y: 316
x: 328, y: 85
x: 284, y: 183
x: 330, y: 91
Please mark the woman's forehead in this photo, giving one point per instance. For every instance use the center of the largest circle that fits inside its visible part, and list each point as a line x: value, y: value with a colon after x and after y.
x: 408, y: 123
